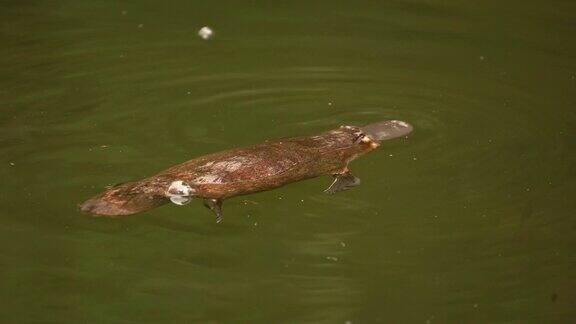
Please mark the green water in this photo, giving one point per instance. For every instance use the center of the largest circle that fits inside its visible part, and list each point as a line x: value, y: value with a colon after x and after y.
x: 471, y: 219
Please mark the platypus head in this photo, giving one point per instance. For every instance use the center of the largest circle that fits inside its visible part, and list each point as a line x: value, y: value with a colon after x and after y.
x: 386, y: 130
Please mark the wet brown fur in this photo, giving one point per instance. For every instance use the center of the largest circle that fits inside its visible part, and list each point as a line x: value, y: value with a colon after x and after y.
x: 239, y: 171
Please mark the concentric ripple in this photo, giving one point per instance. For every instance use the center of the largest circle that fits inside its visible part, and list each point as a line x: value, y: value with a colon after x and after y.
x: 468, y: 219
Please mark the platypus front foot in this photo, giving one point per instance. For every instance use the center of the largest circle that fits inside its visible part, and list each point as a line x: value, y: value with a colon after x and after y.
x: 342, y: 182
x: 215, y: 205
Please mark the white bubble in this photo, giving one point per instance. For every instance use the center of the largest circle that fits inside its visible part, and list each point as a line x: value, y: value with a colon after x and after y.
x: 206, y: 32
x: 180, y: 200
x: 179, y: 192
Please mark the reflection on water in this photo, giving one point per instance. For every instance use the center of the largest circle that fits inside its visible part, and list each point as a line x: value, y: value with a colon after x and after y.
x: 468, y: 220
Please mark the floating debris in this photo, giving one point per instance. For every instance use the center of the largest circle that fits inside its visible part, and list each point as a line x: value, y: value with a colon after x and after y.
x: 332, y: 258
x: 206, y: 32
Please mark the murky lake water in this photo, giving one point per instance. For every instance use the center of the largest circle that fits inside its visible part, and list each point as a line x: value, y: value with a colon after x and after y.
x: 471, y: 219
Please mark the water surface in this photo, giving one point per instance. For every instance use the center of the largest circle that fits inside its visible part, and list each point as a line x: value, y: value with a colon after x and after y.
x: 470, y: 219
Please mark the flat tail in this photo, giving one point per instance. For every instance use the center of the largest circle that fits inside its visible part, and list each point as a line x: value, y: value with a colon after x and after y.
x: 124, y: 199
x: 387, y: 129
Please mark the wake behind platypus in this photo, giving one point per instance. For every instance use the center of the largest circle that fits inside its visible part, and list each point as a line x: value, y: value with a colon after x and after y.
x: 217, y: 176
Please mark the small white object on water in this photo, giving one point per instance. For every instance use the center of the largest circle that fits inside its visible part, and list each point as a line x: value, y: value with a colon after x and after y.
x: 181, y: 201
x: 206, y: 32
x: 180, y: 192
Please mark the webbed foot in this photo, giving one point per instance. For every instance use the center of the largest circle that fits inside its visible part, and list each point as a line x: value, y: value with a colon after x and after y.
x: 342, y: 182
x: 215, y: 205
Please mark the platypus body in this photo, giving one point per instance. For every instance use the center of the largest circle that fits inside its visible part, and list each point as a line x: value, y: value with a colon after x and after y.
x: 217, y: 176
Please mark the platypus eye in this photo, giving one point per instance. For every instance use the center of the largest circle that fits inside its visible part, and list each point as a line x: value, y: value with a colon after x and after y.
x: 363, y: 138
x: 359, y: 138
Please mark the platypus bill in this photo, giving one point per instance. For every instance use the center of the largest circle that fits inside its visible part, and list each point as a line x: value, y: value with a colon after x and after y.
x: 217, y: 176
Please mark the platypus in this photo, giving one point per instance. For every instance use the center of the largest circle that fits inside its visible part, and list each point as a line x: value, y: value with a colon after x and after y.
x: 217, y: 176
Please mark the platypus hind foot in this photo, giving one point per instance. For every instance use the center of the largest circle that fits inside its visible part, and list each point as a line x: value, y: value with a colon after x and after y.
x: 342, y: 182
x: 216, y: 206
